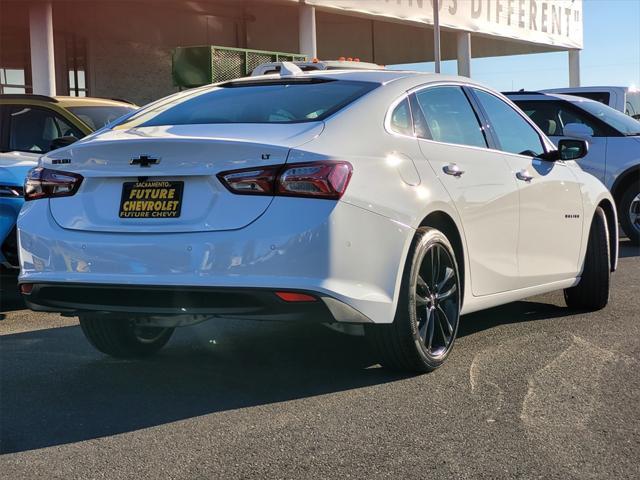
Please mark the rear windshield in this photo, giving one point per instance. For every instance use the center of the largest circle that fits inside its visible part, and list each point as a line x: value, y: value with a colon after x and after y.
x: 602, y: 97
x: 618, y: 120
x: 98, y: 116
x: 257, y: 102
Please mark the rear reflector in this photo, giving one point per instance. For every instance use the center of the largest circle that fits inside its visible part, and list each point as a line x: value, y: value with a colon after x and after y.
x: 26, y: 288
x: 295, y: 297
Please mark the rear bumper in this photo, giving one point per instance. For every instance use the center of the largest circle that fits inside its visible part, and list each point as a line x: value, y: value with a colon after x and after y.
x: 241, y: 303
x: 335, y: 250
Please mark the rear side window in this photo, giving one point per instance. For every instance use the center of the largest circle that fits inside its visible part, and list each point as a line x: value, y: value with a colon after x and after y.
x: 258, y: 102
x: 514, y: 133
x: 444, y: 114
x: 33, y: 129
x: 401, y: 119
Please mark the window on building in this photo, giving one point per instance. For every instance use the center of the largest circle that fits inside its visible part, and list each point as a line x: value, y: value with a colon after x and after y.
x: 13, y: 80
x: 77, y: 83
x: 76, y: 65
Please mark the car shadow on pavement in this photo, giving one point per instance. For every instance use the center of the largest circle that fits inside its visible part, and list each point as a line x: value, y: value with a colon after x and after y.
x: 10, y: 299
x: 627, y: 249
x: 55, y: 389
x: 516, y: 312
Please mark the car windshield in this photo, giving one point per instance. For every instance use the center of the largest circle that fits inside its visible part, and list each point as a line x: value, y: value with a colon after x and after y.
x: 290, y: 101
x: 618, y: 120
x: 98, y: 116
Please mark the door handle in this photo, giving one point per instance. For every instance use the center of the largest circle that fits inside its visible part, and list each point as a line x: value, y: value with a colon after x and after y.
x: 452, y: 169
x: 524, y: 175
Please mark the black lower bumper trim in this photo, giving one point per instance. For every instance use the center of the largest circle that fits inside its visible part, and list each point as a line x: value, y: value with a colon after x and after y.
x: 228, y: 302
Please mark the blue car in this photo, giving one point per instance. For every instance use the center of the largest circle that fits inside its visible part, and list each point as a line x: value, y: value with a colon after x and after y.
x: 13, y: 170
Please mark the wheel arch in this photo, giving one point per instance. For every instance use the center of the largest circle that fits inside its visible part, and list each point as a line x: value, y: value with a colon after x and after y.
x: 612, y: 225
x: 446, y: 224
x: 624, y: 180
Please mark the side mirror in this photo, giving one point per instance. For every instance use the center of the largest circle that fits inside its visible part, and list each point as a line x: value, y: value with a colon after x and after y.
x: 577, y: 130
x: 62, y: 142
x: 570, y: 149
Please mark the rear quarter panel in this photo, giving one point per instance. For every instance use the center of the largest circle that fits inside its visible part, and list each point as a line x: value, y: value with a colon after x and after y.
x: 390, y: 175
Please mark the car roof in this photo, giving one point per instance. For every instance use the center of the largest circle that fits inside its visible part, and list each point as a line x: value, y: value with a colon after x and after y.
x: 374, y: 75
x: 65, y: 101
x: 586, y: 89
x: 91, y: 102
x: 542, y: 96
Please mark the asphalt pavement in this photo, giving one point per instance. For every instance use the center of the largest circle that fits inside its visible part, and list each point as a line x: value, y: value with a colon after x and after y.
x: 532, y: 390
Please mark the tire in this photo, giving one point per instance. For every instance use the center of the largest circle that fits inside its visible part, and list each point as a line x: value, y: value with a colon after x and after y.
x: 121, y: 337
x: 424, y: 329
x: 630, y: 212
x: 592, y: 293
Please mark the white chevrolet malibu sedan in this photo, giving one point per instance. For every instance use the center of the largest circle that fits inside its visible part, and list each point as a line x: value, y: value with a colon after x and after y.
x: 396, y: 200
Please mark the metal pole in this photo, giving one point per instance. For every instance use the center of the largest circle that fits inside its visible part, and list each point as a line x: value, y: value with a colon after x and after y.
x: 464, y: 54
x: 574, y: 68
x: 436, y: 34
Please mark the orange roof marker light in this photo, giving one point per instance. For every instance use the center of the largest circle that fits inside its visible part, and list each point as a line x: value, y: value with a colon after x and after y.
x: 341, y: 59
x: 315, y: 60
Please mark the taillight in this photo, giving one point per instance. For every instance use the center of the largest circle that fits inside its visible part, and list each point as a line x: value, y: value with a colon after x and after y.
x: 251, y: 181
x: 46, y: 183
x: 328, y: 180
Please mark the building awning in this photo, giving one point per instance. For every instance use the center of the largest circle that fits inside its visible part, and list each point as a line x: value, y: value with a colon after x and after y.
x: 499, y: 27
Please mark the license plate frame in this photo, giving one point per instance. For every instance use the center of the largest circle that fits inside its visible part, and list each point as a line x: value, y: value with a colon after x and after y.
x: 151, y: 199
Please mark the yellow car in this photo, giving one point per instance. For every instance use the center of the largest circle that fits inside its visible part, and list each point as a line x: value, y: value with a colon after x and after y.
x: 31, y: 125
x: 38, y: 124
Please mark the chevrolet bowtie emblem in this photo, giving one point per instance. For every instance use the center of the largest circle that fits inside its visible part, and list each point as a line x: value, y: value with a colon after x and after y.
x: 144, y: 161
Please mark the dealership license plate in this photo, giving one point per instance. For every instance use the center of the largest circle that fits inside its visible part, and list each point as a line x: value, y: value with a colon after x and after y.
x: 151, y: 199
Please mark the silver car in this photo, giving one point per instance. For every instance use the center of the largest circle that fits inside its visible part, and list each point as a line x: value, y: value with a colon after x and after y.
x: 614, y: 144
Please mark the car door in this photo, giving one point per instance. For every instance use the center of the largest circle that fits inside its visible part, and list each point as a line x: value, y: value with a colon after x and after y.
x: 551, y: 216
x: 551, y: 116
x: 477, y: 179
x: 32, y: 128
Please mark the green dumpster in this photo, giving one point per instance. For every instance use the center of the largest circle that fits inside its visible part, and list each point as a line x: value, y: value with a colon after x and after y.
x: 201, y: 65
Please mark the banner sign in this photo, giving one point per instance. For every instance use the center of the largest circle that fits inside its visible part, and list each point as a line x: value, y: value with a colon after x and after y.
x: 548, y: 22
